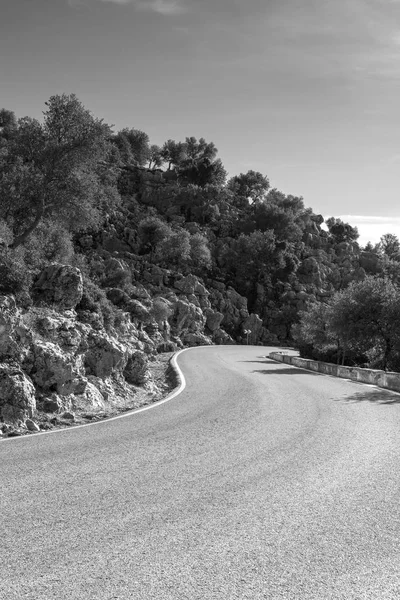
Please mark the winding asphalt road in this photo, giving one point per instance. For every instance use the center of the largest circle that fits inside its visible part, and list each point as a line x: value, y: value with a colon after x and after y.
x: 259, y: 481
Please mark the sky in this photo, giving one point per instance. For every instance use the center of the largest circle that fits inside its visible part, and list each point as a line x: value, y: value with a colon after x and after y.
x: 305, y: 91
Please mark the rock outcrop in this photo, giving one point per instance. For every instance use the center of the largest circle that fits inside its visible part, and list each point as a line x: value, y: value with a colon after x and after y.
x: 10, y: 320
x: 17, y: 395
x: 105, y: 355
x: 61, y: 285
x: 61, y: 360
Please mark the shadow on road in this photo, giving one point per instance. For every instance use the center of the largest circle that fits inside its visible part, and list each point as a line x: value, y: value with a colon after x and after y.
x: 287, y: 371
x: 377, y: 396
x: 262, y: 362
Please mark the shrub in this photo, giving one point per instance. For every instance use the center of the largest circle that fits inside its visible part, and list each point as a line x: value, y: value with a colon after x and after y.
x: 161, y: 310
x: 50, y: 242
x: 117, y: 279
x: 174, y: 250
x: 200, y: 254
x: 15, y: 277
x: 138, y: 311
x: 95, y: 302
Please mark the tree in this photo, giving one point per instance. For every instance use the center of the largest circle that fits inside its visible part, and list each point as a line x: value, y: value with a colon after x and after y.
x: 250, y: 260
x: 369, y: 247
x: 200, y: 166
x: 8, y: 124
x: 173, y: 153
x: 390, y: 246
x: 366, y: 316
x: 200, y: 255
x: 273, y: 213
x: 174, y: 250
x: 359, y: 324
x: 63, y: 168
x: 197, y: 203
x: 204, y: 172
x: 152, y: 231
x: 199, y: 150
x: 312, y: 334
x: 341, y: 232
x: 252, y: 185
x: 134, y: 146
x: 154, y: 157
x: 7, y: 119
x: 390, y: 269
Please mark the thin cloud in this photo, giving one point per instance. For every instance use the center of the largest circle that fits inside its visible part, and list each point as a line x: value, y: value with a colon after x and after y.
x: 356, y: 38
x: 372, y: 219
x: 372, y: 228
x: 162, y: 7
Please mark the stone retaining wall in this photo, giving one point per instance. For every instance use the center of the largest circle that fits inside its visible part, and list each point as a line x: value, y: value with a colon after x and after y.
x: 382, y: 379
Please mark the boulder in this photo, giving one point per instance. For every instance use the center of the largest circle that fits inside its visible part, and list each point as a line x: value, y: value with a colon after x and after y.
x: 190, y: 285
x: 232, y: 305
x: 204, y: 301
x: 61, y: 285
x: 57, y: 371
x: 113, y: 390
x: 91, y: 398
x: 68, y: 415
x: 137, y: 370
x: 31, y: 425
x: 167, y: 347
x: 118, y: 296
x: 17, y: 394
x: 139, y: 292
x: 193, y: 300
x: 52, y: 404
x: 220, y: 337
x: 60, y: 330
x: 196, y: 292
x: 105, y: 355
x: 138, y: 311
x: 195, y: 339
x: 213, y: 319
x: 236, y: 299
x: 187, y: 316
x: 146, y: 343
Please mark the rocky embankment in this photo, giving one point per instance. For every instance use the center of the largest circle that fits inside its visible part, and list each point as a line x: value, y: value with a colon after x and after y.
x: 60, y: 365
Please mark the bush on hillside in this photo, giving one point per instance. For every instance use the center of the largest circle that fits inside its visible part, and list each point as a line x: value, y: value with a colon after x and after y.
x: 15, y: 277
x: 94, y: 307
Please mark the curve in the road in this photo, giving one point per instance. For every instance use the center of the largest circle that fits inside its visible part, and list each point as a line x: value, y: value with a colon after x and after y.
x: 263, y: 482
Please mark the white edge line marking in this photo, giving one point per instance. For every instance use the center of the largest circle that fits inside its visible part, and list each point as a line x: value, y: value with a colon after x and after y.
x: 176, y: 392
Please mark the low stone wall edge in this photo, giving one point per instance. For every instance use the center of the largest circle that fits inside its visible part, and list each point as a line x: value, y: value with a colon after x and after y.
x: 383, y: 379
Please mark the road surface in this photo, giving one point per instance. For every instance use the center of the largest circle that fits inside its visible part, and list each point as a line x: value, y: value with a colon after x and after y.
x: 259, y: 481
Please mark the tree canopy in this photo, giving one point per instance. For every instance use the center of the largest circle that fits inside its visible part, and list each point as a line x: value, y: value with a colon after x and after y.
x: 62, y: 168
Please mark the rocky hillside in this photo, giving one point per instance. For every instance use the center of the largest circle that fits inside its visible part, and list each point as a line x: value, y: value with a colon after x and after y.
x: 59, y: 360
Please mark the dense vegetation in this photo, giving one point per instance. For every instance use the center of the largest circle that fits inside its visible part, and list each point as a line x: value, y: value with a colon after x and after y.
x: 72, y: 189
